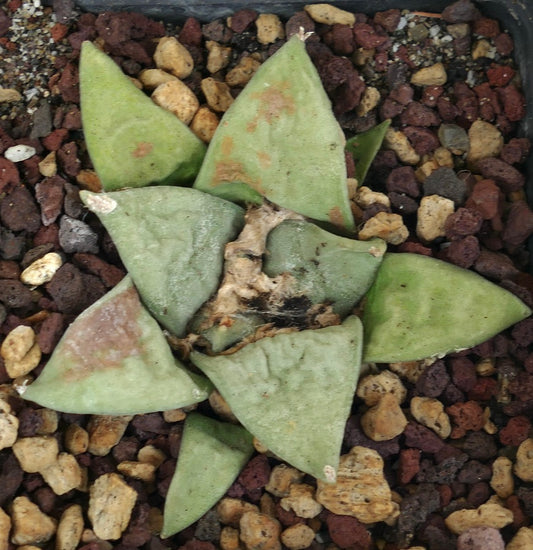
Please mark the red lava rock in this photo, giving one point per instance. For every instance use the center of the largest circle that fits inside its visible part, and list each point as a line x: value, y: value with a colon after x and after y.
x: 48, y: 234
x: 474, y: 471
x: 466, y: 101
x: 287, y: 517
x: 72, y: 290
x: 486, y: 198
x: 509, y: 177
x: 415, y: 248
x: 14, y: 294
x: 255, y: 474
x: 403, y: 180
x: 67, y: 157
x: 50, y: 194
x: 348, y: 95
x: 388, y: 19
x: 522, y: 386
x: 402, y: 93
x: 463, y: 372
x: 465, y: 416
x: 408, y: 465
x: 495, y: 265
x: 367, y: 37
x: 504, y: 44
x: 480, y: 446
x: 522, y: 332
x: 489, y: 104
x: 9, y: 269
x: 340, y: 39
x: 5, y: 22
x: 390, y: 109
x: 462, y: 11
x: 462, y: 222
x: 191, y: 32
x: 422, y: 438
x: 19, y: 212
x: 516, y: 150
x: 514, y: 103
x: 9, y: 175
x: 447, y: 110
x: 348, y: 532
x: 423, y: 140
x: 519, y: 517
x: 479, y: 493
x: 444, y: 182
x: 72, y: 119
x: 500, y: 75
x: 433, y: 380
x: 404, y: 205
x: 463, y: 252
x: 299, y: 19
x: 519, y: 225
x: 416, y: 114
x: 30, y: 170
x: 110, y: 274
x: 11, y: 476
x: 241, y: 20
x: 445, y: 494
x: 430, y: 95
x: 68, y: 84
x: 30, y: 422
x: 516, y: 431
x: 53, y: 141
x: 50, y: 332
x: 489, y: 28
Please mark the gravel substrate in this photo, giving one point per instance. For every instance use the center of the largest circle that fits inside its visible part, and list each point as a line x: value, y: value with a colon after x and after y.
x: 448, y: 182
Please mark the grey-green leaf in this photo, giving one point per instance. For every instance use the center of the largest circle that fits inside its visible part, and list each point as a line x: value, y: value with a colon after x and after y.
x: 294, y: 391
x: 211, y: 456
x: 114, y: 359
x: 327, y: 267
x: 421, y: 307
x: 364, y: 147
x: 279, y: 139
x: 132, y: 142
x: 171, y: 240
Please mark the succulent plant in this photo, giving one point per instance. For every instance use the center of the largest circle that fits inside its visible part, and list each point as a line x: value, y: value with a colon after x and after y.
x: 261, y: 300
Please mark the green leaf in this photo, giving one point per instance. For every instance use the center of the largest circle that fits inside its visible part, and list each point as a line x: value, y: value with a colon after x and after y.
x: 114, y: 359
x: 211, y: 456
x: 171, y: 240
x: 327, y: 267
x: 293, y: 391
x: 364, y: 147
x: 132, y: 142
x: 421, y: 307
x: 279, y: 139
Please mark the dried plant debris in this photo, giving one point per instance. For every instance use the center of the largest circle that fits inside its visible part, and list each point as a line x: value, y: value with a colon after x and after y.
x: 428, y: 177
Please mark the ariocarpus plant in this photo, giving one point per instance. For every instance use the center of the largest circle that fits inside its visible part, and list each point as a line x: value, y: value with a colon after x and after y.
x: 261, y: 303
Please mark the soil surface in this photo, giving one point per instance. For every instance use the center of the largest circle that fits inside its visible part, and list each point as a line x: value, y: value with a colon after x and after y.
x: 450, y: 177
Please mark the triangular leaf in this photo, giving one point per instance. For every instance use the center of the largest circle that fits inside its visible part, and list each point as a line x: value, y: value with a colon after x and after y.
x: 114, y: 359
x: 327, y: 267
x: 421, y: 307
x: 363, y: 147
x: 211, y: 456
x: 293, y: 391
x: 171, y: 240
x: 132, y: 141
x: 279, y: 139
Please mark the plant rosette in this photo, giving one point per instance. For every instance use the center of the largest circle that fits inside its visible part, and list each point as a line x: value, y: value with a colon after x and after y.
x: 252, y: 277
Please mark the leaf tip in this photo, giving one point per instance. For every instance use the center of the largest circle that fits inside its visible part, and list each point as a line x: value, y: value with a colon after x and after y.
x: 98, y: 202
x: 330, y: 474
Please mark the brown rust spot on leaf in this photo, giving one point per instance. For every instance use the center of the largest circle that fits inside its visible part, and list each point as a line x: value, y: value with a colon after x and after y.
x: 230, y: 171
x: 273, y: 102
x: 143, y: 148
x: 226, y: 147
x: 105, y: 337
x: 265, y: 160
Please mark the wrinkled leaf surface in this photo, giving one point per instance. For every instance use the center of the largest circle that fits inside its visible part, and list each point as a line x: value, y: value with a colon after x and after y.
x: 293, y: 391
x: 421, y: 307
x: 132, y: 142
x: 364, y: 148
x: 327, y: 267
x: 280, y: 139
x: 114, y: 359
x: 211, y: 456
x: 171, y: 240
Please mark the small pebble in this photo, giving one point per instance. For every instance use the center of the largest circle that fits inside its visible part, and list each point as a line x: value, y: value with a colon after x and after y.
x: 502, y: 477
x: 385, y: 420
x: 489, y: 514
x: 173, y: 57
x: 18, y: 153
x: 178, y: 98
x: 269, y: 28
x: 523, y: 467
x: 435, y: 75
x: 77, y: 236
x: 432, y: 214
x: 480, y: 538
x: 430, y: 413
x: 485, y: 141
x: 259, y: 531
x: 42, y: 270
x: 329, y: 15
x: 523, y: 540
x: 371, y: 388
x: 386, y: 226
